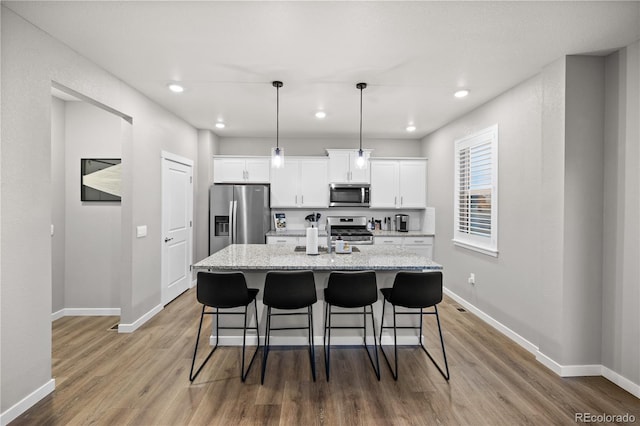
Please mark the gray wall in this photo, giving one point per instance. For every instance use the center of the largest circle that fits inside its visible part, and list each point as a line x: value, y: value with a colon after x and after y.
x: 317, y: 146
x: 58, y: 113
x: 207, y: 148
x: 621, y: 251
x: 31, y: 60
x: 506, y: 286
x: 92, y: 230
x: 566, y: 275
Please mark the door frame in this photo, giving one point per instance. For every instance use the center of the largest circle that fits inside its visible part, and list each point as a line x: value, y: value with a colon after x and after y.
x: 168, y: 156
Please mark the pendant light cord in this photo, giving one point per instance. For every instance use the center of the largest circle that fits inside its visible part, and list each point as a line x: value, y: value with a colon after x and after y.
x: 361, y: 86
x: 361, y: 118
x: 277, y: 85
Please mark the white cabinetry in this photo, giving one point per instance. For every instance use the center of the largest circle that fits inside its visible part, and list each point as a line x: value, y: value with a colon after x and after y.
x: 399, y: 184
x: 420, y: 245
x: 302, y: 182
x: 342, y: 166
x: 284, y: 241
x: 241, y: 169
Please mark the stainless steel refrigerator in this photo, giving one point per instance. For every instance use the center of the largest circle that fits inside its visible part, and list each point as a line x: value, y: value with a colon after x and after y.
x: 238, y: 214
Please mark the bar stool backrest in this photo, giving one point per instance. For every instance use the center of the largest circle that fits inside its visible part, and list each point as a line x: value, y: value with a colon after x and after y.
x: 289, y: 289
x: 222, y: 289
x: 352, y: 289
x: 417, y: 289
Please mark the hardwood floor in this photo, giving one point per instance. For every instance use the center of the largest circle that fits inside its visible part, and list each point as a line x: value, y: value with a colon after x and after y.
x: 106, y: 378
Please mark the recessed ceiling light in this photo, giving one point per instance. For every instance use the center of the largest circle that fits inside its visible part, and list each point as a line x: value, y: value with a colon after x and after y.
x: 411, y: 128
x: 461, y: 93
x: 220, y: 125
x: 321, y: 114
x: 176, y: 88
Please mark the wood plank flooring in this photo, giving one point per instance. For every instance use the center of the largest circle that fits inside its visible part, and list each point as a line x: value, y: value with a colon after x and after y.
x: 106, y: 378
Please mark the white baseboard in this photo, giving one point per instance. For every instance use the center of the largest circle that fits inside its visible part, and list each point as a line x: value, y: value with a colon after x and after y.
x: 623, y: 382
x: 85, y: 312
x: 130, y: 328
x: 27, y: 402
x: 569, y: 370
x: 559, y: 369
x: 494, y: 323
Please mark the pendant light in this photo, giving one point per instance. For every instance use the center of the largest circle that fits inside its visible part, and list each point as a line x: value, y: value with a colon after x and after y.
x: 277, y: 153
x: 361, y: 162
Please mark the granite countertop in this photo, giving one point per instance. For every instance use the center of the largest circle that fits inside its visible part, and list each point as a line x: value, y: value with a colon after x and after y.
x: 294, y: 233
x: 402, y: 234
x: 264, y: 257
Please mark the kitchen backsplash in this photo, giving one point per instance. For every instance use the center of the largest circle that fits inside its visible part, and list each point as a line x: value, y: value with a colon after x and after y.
x: 419, y: 220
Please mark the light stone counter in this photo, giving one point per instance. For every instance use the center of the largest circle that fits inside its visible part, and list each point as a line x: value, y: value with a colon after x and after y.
x: 265, y: 257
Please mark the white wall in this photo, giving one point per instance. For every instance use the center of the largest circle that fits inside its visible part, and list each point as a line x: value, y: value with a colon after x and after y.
x: 31, y: 60
x: 317, y: 146
x: 93, y: 229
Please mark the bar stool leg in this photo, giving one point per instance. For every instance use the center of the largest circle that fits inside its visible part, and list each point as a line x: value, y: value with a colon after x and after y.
x: 446, y: 364
x: 394, y: 373
x: 267, y: 345
x: 192, y: 376
x: 312, y: 349
x: 327, y: 340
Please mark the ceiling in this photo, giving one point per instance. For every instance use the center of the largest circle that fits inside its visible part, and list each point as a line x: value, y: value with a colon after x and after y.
x: 413, y: 55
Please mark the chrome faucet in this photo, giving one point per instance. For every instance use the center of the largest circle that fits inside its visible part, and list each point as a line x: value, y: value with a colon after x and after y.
x: 328, y: 236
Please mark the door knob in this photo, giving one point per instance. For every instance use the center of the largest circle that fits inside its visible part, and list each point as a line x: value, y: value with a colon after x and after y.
x: 166, y: 240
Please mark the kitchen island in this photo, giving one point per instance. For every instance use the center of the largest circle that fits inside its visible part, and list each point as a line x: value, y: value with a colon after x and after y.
x: 254, y: 260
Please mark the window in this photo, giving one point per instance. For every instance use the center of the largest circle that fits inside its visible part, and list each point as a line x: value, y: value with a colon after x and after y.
x: 476, y: 192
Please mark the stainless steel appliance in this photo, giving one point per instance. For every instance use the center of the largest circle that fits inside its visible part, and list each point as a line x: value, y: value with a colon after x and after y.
x: 349, y: 195
x: 402, y: 222
x: 238, y: 214
x: 352, y: 229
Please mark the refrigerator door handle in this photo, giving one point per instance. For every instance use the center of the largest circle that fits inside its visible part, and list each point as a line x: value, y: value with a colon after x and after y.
x: 231, y: 224
x: 235, y: 222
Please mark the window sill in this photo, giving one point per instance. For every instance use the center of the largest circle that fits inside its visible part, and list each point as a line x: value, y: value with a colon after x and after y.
x: 476, y: 248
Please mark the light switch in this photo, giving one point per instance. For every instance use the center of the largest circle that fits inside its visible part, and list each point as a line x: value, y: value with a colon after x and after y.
x: 141, y: 231
x: 52, y: 229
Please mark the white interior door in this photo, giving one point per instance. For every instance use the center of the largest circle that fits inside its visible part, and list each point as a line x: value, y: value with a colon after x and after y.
x: 177, y: 222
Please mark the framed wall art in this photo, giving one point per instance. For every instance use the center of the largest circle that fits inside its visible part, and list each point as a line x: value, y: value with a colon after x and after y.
x: 100, y: 179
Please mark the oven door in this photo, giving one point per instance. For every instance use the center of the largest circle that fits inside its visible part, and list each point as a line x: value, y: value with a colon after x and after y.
x: 347, y: 195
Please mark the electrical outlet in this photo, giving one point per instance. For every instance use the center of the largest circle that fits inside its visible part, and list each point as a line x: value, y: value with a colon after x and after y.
x: 472, y: 278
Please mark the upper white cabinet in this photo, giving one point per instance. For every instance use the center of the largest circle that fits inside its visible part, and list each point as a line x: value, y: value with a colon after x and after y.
x: 398, y: 184
x: 342, y: 166
x: 241, y: 169
x: 302, y: 182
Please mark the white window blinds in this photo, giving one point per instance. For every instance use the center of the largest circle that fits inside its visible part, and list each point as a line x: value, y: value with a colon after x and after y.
x: 476, y: 191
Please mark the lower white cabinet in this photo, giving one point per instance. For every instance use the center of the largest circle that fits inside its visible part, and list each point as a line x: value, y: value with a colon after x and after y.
x: 284, y: 241
x: 420, y: 245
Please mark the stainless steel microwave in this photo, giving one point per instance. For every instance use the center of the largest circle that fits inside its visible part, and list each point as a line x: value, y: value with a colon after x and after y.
x: 349, y: 195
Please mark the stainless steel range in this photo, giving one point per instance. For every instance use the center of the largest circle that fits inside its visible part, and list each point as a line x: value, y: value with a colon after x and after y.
x: 349, y: 228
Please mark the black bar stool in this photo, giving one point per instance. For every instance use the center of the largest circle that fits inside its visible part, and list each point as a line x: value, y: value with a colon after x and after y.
x: 350, y: 290
x: 414, y: 290
x: 223, y: 290
x: 289, y: 290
